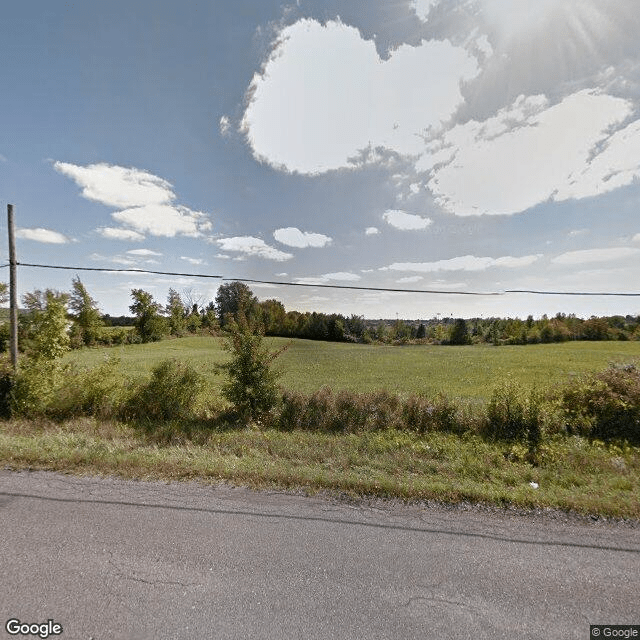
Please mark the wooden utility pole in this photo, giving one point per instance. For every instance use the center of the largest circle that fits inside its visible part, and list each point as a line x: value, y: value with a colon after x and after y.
x: 13, y: 288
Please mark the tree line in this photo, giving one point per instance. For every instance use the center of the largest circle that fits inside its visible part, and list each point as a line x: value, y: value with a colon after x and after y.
x: 236, y: 304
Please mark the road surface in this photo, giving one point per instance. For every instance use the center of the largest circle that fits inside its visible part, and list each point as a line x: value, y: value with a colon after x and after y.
x: 109, y: 559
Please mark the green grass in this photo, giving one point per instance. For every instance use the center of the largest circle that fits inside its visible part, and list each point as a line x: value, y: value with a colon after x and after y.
x: 588, y: 478
x: 469, y: 373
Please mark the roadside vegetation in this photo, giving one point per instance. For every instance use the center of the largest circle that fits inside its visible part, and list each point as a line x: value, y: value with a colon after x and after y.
x: 573, y: 444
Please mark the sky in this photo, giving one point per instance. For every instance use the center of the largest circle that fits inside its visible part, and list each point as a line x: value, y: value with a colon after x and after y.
x: 448, y: 146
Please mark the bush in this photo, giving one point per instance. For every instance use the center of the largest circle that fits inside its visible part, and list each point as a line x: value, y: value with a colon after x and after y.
x: 605, y: 405
x: 99, y: 392
x: 347, y: 412
x: 7, y: 381
x: 513, y: 417
x: 423, y: 415
x: 252, y: 383
x: 34, y: 387
x: 170, y: 394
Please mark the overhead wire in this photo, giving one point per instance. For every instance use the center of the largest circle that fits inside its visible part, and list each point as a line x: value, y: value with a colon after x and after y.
x: 327, y: 286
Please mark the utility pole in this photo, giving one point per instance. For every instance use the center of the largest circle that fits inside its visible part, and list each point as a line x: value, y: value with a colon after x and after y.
x: 13, y: 289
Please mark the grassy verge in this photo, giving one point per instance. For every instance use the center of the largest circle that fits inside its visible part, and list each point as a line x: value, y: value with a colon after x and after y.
x: 571, y: 472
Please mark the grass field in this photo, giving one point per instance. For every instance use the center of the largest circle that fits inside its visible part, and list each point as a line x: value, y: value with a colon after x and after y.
x: 567, y: 472
x: 469, y: 373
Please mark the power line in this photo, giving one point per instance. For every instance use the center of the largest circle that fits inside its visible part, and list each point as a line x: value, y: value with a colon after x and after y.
x: 330, y: 286
x: 161, y: 273
x: 570, y: 293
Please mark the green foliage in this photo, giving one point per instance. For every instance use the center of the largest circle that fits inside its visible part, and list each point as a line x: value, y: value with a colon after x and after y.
x: 149, y: 324
x: 4, y: 293
x: 86, y: 316
x: 193, y: 322
x: 460, y: 333
x: 252, y: 384
x: 45, y: 326
x: 170, y: 394
x: 7, y: 381
x: 5, y: 336
x: 513, y: 416
x: 345, y: 412
x: 236, y: 302
x: 605, y: 405
x: 35, y: 386
x: 99, y: 391
x: 176, y: 312
x: 423, y: 415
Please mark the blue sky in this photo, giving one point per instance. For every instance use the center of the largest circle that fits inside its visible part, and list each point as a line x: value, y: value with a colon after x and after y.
x: 446, y: 145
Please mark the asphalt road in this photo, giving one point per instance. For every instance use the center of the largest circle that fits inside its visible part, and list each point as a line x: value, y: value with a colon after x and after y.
x: 112, y: 559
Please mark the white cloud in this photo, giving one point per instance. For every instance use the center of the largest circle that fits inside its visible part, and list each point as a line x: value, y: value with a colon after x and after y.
x: 194, y: 261
x: 530, y: 153
x: 163, y: 220
x: 463, y: 263
x: 143, y: 252
x: 586, y: 256
x: 250, y: 246
x: 616, y: 166
x: 224, y: 125
x: 327, y: 278
x: 406, y: 221
x: 114, y: 233
x: 372, y: 231
x: 145, y: 200
x: 636, y: 238
x: 578, y: 232
x: 122, y: 260
x: 42, y: 235
x: 422, y: 7
x: 3, y: 158
x: 325, y: 94
x: 293, y: 237
x: 116, y: 186
x: 410, y: 279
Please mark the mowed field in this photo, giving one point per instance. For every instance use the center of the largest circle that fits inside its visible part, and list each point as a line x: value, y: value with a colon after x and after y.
x: 468, y: 373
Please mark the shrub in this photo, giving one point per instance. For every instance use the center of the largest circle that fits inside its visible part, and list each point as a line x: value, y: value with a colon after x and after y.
x: 605, y: 405
x: 35, y: 386
x: 514, y: 417
x: 170, y: 394
x: 346, y: 412
x: 423, y: 415
x: 252, y: 384
x: 99, y: 392
x: 7, y: 381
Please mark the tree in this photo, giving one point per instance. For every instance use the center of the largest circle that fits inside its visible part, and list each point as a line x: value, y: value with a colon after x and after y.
x: 176, y: 312
x: 40, y: 373
x: 49, y: 326
x: 86, y: 314
x: 421, y: 332
x: 273, y: 317
x: 4, y: 293
x: 459, y: 332
x: 149, y: 325
x: 234, y: 300
x: 210, y: 318
x: 252, y: 383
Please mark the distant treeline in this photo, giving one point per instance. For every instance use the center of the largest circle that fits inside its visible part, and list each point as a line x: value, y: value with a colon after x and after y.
x: 497, y: 331
x: 236, y: 303
x: 237, y: 299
